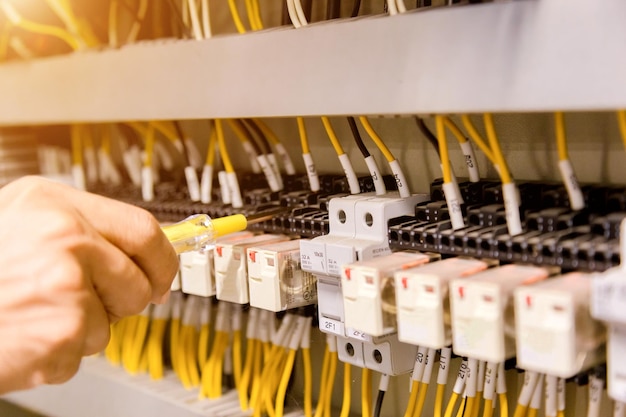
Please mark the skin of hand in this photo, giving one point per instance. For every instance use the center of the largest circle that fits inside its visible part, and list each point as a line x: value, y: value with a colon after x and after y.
x: 71, y: 263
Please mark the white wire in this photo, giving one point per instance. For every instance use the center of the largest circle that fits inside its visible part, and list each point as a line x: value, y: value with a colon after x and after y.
x: 206, y: 19
x: 293, y: 14
x: 401, y: 6
x: 195, y: 21
x: 392, y: 7
x: 596, y: 387
x: 300, y: 12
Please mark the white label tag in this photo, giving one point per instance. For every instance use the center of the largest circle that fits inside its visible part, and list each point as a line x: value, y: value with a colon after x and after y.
x: 331, y: 326
x: 616, y: 366
x: 358, y: 335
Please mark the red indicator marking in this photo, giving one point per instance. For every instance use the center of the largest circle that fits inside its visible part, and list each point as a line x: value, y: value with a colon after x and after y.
x: 369, y: 280
x: 429, y: 288
x: 405, y: 282
x: 488, y: 298
x: 462, y: 292
x: 529, y: 301
x: 347, y: 272
x: 558, y: 308
x: 218, y: 249
x: 252, y: 255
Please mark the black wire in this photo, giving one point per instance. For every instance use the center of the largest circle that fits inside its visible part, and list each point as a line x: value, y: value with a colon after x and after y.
x: 333, y: 9
x: 251, y: 138
x: 250, y: 125
x: 356, y: 7
x: 426, y: 132
x: 379, y: 403
x: 357, y: 137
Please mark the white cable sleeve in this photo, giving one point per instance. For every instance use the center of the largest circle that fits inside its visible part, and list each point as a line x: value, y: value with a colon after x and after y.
x: 147, y: 184
x: 177, y: 304
x: 191, y: 306
x: 401, y: 6
x: 392, y: 7
x: 619, y: 409
x: 455, y: 181
x: 459, y: 384
x: 398, y: 174
x: 430, y: 364
x: 235, y: 193
x: 236, y: 317
x: 596, y: 386
x: 297, y: 332
x: 293, y: 15
x: 501, y: 379
x: 535, y: 401
x: 290, y: 169
x: 551, y: 396
x: 511, y: 208
x: 480, y: 381
x: 528, y: 388
x: 560, y: 394
x: 252, y: 156
x: 162, y: 311
x: 167, y: 162
x: 178, y: 144
x: 265, y: 325
x: 353, y: 181
x: 377, y: 176
x: 470, y: 161
x: 78, y: 175
x: 132, y: 163
x: 444, y: 366
x: 278, y: 337
x: 195, y: 21
x: 92, y: 164
x: 206, y: 19
x: 228, y: 360
x: 311, y: 172
x: 420, y: 363
x: 471, y: 378
x: 383, y: 384
x: 300, y: 12
x: 491, y: 370
x: 271, y: 158
x: 147, y: 311
x: 195, y: 158
x: 454, y: 206
x: 206, y: 184
x: 222, y: 177
x: 576, y: 198
x: 331, y: 341
x: 112, y: 173
x: 305, y: 343
x: 252, y: 323
x: 205, y: 311
x: 222, y: 321
x: 193, y: 185
x: 270, y: 175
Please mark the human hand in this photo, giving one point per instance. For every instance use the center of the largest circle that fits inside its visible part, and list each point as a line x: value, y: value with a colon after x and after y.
x: 71, y: 264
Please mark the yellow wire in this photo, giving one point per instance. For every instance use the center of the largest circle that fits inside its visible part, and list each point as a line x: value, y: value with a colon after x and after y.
x: 181, y: 358
x: 141, y: 14
x: 332, y: 136
x: 495, y: 147
x: 469, y: 407
x: 216, y: 388
x: 366, y: 388
x: 149, y: 146
x: 155, y: 348
x: 251, y: 16
x: 323, y: 379
x: 113, y: 41
x: 267, y: 131
x: 410, y: 408
x: 242, y: 390
x: 228, y: 166
x: 112, y: 351
x: 473, y: 133
x: 488, y: 410
x: 451, y: 404
x: 441, y: 389
x: 532, y: 412
x: 504, y: 405
x: 460, y: 137
x: 520, y: 410
x: 561, y: 140
x: 54, y: 31
x: 77, y: 151
x: 190, y: 344
x: 242, y: 134
x: 347, y: 390
x: 210, y: 152
x: 138, y: 341
x: 308, y: 382
x: 376, y: 139
x: 4, y: 40
x: 257, y: 13
x: 443, y: 149
x: 203, y: 344
x: 462, y: 408
x: 304, y: 141
x: 476, y: 410
x: 421, y: 399
x: 235, y: 15
x: 560, y: 413
x: 174, y: 344
x: 105, y: 145
x: 621, y: 119
x: 128, y: 342
x: 330, y: 384
x: 284, y: 381
x: 167, y: 129
x: 237, y: 357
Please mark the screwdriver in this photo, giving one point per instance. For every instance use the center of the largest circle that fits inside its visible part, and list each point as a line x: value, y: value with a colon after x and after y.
x: 199, y: 232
